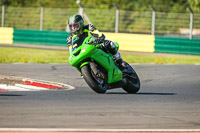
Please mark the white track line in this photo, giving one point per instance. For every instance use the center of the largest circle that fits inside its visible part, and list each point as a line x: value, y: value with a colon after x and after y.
x: 22, y: 87
x: 102, y: 130
x: 49, y: 82
x: 29, y: 87
x: 12, y: 88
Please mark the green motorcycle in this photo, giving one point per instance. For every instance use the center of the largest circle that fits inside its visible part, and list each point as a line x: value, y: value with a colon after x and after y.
x: 98, y: 68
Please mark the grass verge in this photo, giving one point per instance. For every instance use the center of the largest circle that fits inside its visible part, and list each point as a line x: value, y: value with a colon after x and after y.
x: 27, y: 55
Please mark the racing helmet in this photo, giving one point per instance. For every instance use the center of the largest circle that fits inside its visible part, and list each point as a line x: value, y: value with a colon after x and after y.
x: 76, y: 24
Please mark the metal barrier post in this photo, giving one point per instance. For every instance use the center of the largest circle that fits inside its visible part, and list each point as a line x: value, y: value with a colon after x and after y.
x: 81, y: 12
x: 3, y: 15
x: 153, y: 21
x: 116, y: 18
x: 191, y: 21
x: 41, y: 17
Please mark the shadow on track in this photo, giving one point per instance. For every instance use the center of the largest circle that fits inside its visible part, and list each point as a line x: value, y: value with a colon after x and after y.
x: 148, y: 93
x: 10, y: 95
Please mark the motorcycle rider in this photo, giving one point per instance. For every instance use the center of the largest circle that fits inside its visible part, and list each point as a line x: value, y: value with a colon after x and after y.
x: 77, y: 27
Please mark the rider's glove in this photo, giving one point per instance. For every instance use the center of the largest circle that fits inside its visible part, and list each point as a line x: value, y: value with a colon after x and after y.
x: 107, y: 43
x: 69, y: 40
x: 98, y: 41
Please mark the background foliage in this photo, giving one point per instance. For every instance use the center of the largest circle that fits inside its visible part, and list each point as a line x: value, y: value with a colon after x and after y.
x: 137, y: 5
x: 135, y: 15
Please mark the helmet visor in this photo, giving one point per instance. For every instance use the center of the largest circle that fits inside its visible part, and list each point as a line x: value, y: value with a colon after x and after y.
x: 74, y: 27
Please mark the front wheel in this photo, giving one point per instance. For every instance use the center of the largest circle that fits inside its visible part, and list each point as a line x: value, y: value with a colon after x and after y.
x: 96, y: 80
x: 133, y: 81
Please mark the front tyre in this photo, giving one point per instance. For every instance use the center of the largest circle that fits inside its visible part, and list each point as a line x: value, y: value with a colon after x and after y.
x: 133, y: 82
x: 97, y: 82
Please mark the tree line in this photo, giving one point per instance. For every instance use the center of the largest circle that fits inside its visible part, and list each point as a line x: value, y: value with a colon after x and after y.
x: 177, y: 6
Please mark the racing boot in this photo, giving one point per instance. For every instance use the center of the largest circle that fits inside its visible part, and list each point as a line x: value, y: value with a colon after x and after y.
x: 112, y: 48
x: 118, y: 59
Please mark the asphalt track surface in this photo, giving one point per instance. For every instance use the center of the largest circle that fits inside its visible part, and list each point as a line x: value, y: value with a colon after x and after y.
x: 169, y: 99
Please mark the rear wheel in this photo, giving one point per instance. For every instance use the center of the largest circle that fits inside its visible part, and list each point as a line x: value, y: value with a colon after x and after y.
x: 95, y: 79
x: 133, y: 81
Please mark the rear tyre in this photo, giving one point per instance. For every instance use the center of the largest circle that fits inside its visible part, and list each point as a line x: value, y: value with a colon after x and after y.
x: 97, y: 82
x: 133, y: 82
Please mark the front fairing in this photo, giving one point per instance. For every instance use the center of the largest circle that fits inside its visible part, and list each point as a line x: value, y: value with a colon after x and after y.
x: 82, y: 54
x: 80, y: 50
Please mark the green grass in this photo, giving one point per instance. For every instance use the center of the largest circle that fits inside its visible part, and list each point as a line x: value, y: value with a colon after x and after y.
x: 159, y: 58
x: 26, y: 55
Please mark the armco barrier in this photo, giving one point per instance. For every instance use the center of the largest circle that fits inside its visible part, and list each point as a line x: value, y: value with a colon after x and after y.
x: 133, y: 42
x: 177, y: 45
x: 50, y: 38
x: 127, y: 42
x: 6, y: 35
